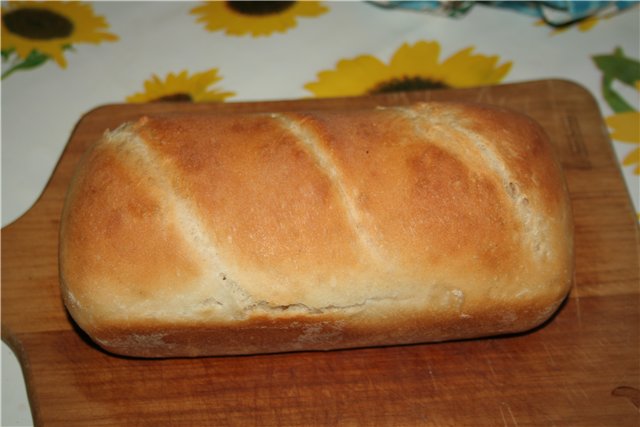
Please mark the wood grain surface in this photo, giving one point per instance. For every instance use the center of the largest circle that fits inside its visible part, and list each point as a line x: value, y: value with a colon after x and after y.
x: 582, y: 368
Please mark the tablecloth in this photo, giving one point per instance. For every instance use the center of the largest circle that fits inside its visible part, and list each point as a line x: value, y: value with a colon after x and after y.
x: 60, y: 60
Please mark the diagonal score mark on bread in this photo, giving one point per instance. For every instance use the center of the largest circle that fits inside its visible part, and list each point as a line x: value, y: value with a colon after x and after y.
x: 308, y: 140
x: 228, y: 295
x: 226, y: 292
x: 469, y: 144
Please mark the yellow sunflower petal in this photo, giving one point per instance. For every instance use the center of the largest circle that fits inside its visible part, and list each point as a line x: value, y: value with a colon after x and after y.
x: 583, y: 26
x: 153, y: 85
x: 202, y: 81
x: 588, y: 23
x: 464, y: 69
x: 137, y: 98
x: 266, y: 26
x: 625, y: 127
x: 21, y: 50
x: 89, y: 26
x: 55, y: 53
x: 220, y: 15
x: 99, y: 37
x: 351, y: 77
x: 175, y: 81
x: 196, y: 87
x: 6, y: 42
x: 310, y: 8
x: 213, y: 96
x: 82, y: 26
x: 415, y: 60
x: 632, y: 158
x: 205, y: 79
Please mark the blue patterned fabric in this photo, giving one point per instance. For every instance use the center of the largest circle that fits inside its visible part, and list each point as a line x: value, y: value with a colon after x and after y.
x: 555, y: 13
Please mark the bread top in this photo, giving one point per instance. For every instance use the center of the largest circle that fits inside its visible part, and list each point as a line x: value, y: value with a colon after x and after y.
x: 438, y: 207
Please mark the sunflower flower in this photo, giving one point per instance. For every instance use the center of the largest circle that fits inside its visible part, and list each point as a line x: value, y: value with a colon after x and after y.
x: 412, y: 67
x: 38, y: 31
x: 258, y: 18
x: 182, y: 87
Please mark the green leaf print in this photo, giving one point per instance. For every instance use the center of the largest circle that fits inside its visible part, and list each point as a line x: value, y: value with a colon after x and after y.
x: 615, y: 101
x: 34, y: 59
x: 619, y: 67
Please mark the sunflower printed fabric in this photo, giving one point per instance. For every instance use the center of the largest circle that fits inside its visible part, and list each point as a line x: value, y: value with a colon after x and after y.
x: 35, y: 32
x: 619, y: 70
x: 412, y: 67
x: 182, y: 87
x: 255, y: 18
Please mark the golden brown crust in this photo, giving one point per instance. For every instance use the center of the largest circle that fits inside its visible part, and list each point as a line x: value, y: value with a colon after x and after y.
x: 235, y: 234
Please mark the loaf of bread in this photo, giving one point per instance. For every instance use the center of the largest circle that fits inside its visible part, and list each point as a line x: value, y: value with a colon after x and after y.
x: 219, y: 234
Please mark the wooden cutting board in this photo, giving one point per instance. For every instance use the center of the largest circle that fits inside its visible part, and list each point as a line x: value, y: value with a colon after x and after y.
x: 582, y: 368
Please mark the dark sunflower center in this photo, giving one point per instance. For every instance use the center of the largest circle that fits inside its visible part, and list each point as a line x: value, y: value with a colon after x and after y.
x: 175, y: 97
x: 259, y: 8
x: 39, y: 24
x: 406, y: 83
